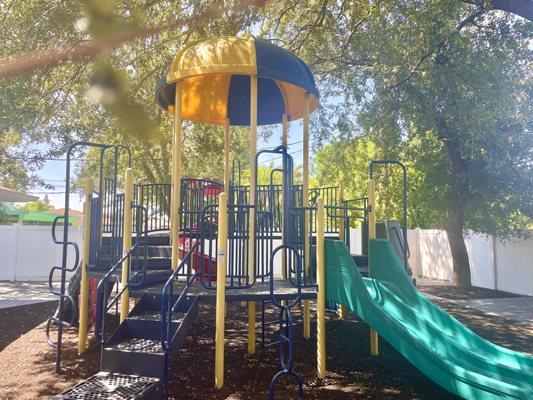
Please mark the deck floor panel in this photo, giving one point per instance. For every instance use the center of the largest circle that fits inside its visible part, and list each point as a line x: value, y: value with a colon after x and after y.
x: 260, y: 291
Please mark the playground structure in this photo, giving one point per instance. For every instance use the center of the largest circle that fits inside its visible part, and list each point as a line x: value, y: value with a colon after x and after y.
x: 171, y: 246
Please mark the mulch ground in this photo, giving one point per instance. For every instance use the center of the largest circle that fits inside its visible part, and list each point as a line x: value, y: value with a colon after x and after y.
x: 455, y: 293
x: 16, y: 321
x: 28, y: 363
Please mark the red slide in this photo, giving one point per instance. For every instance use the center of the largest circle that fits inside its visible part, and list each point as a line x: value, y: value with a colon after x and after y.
x: 209, y: 267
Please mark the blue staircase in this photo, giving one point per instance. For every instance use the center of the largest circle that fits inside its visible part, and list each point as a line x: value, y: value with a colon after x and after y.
x: 135, y: 348
x: 136, y: 357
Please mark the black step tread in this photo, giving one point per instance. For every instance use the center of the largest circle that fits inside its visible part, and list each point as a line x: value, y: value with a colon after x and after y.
x: 108, y: 385
x: 156, y: 316
x: 138, y: 345
x: 156, y: 246
x: 159, y: 250
x: 163, y: 240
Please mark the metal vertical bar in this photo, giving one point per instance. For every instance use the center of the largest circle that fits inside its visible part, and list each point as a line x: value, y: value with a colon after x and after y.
x: 342, y: 307
x: 284, y: 132
x: 84, y: 284
x: 176, y: 178
x: 305, y: 203
x: 252, y: 198
x: 226, y: 156
x: 374, y: 341
x: 321, y: 292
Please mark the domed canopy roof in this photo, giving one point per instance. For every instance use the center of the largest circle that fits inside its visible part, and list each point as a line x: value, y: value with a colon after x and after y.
x: 215, y: 78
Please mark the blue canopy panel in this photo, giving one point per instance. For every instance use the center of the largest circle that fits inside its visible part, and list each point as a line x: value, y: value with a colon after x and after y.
x: 273, y: 62
x: 270, y: 104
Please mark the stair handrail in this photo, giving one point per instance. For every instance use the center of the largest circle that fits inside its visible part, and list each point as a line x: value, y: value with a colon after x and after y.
x: 61, y: 294
x: 103, y: 305
x: 167, y: 308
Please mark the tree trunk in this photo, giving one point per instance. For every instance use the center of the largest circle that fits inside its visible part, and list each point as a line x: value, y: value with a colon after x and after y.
x: 456, y: 218
x: 461, y: 263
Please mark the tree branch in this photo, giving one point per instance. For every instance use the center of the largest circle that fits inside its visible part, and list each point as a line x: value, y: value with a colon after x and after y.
x: 54, y: 57
x: 435, y: 47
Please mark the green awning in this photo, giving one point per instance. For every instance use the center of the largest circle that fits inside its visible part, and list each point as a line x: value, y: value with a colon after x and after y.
x: 38, y: 216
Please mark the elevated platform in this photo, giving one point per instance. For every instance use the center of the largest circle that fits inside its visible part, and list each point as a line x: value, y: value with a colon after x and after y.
x: 260, y: 291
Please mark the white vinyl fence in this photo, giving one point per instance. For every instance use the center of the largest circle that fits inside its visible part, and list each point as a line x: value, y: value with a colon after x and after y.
x: 494, y: 264
x: 27, y: 253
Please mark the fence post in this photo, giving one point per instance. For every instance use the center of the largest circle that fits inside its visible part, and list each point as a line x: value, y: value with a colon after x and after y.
x: 84, y: 284
x: 221, y: 289
x: 374, y: 341
x: 15, y: 258
x: 321, y: 292
x: 126, y: 242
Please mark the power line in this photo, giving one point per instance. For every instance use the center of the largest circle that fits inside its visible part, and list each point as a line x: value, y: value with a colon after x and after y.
x: 278, y: 157
x: 46, y: 192
x: 36, y: 158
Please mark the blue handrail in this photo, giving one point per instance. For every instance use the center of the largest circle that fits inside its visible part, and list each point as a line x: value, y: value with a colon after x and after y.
x: 167, y: 309
x: 103, y: 286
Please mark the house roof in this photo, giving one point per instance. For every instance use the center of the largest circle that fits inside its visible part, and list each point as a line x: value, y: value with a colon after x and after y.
x: 13, y: 196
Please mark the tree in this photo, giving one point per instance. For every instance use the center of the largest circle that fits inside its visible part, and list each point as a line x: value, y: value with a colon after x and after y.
x: 448, y: 75
x: 39, y: 206
x: 445, y: 83
x: 109, y: 98
x: 473, y: 95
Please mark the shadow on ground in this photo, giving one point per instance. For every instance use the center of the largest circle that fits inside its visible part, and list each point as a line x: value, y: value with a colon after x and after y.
x: 352, y: 372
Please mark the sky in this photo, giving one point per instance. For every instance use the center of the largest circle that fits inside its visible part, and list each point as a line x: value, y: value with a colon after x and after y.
x: 53, y: 171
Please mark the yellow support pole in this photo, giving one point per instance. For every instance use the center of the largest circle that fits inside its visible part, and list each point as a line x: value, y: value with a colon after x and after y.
x: 251, y: 241
x: 84, y: 284
x: 342, y: 236
x: 321, y: 291
x: 305, y: 200
x: 176, y: 179
x: 221, y: 288
x: 374, y: 340
x: 126, y: 242
x: 284, y: 131
x: 226, y: 156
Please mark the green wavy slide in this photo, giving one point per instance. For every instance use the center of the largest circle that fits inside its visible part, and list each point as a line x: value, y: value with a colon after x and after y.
x: 432, y: 340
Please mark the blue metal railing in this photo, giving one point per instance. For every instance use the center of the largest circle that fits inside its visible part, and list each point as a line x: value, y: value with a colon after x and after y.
x: 168, y: 308
x: 136, y: 280
x: 61, y: 294
x: 285, y: 349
